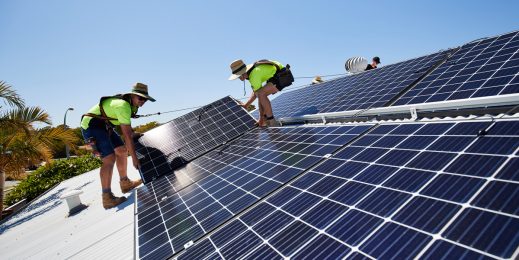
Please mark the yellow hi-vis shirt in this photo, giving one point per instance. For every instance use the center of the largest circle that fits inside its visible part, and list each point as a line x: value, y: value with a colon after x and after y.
x: 115, y: 108
x: 262, y: 73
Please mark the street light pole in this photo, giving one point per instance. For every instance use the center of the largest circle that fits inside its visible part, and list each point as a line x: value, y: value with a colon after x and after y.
x: 67, y: 149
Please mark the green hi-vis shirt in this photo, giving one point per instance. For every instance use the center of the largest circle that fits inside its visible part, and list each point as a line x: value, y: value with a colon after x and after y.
x: 262, y: 73
x: 115, y: 108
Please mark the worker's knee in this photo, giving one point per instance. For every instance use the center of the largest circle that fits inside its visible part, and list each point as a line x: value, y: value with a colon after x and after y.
x: 121, y: 151
x: 109, y: 160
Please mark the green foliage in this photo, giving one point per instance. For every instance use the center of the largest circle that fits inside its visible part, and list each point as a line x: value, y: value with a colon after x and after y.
x: 146, y: 127
x: 49, y: 175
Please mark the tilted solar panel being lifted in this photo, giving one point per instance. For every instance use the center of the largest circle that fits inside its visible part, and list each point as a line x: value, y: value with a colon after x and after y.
x: 431, y: 190
x: 185, y: 138
x: 374, y: 88
x: 167, y: 220
x: 487, y: 67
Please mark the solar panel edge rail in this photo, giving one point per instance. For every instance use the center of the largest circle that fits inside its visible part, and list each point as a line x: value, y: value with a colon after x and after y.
x: 280, y: 154
x: 169, y: 146
x: 427, y: 190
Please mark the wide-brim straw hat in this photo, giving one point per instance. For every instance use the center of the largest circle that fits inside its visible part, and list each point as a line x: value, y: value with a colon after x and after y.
x: 238, y: 68
x: 141, y: 89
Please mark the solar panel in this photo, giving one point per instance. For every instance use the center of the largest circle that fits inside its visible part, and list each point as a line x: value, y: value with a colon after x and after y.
x: 250, y: 168
x: 372, y: 88
x: 482, y: 68
x: 430, y: 190
x: 171, y: 145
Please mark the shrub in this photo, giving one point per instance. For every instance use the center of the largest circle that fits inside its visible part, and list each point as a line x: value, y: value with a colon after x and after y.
x: 45, y: 177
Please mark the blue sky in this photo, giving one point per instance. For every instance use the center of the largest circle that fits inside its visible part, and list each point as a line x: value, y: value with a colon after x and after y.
x: 60, y: 54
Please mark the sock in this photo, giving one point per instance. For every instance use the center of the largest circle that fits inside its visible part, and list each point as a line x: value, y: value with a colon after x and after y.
x: 107, y: 190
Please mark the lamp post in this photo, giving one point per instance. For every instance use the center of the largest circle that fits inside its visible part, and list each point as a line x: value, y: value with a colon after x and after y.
x: 67, y: 149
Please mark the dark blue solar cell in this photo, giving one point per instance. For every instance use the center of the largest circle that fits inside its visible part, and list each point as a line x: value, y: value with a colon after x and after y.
x: 324, y: 213
x: 486, y: 231
x: 358, y: 256
x: 348, y: 153
x: 301, y: 203
x: 287, y: 174
x: 499, y: 196
x: 240, y: 245
x: 207, y: 211
x: 216, y: 219
x: 162, y: 252
x: 409, y: 180
x: 265, y: 188
x: 328, y: 165
x: 272, y: 223
x: 388, y: 141
x: 417, y: 142
x: 257, y: 213
x: 495, y: 145
x: 397, y: 157
x: 242, y: 203
x: 349, y: 169
x: 445, y: 250
x: 505, y: 128
x: 351, y: 192
x: 426, y: 214
x: 406, y: 129
x: 452, y: 187
x: 471, y: 128
x: 232, y: 229
x: 265, y: 252
x: 367, y: 140
x: 393, y: 241
x: 476, y: 165
x: 283, y: 196
x: 198, y: 251
x: 431, y: 160
x: 451, y: 143
x: 326, y: 185
x: 383, y: 129
x: 510, y: 172
x: 150, y: 245
x: 370, y: 154
x: 322, y: 247
x: 180, y: 240
x: 375, y: 174
x: 292, y: 237
x: 354, y: 226
x: 383, y: 202
x: 307, y: 180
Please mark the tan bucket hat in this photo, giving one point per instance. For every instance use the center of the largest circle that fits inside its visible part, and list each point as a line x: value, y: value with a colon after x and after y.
x: 238, y: 68
x: 141, y: 89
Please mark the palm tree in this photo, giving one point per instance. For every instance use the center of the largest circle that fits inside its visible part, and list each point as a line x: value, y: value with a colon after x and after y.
x: 20, y: 141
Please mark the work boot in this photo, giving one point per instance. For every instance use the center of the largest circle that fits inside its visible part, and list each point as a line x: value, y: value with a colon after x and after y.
x: 110, y: 201
x: 128, y: 185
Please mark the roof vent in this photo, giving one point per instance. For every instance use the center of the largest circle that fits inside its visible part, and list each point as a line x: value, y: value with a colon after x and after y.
x: 73, y: 201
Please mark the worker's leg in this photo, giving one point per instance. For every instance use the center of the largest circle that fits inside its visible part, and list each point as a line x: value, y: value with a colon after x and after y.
x: 121, y: 160
x: 267, y: 90
x: 261, y: 119
x: 106, y: 172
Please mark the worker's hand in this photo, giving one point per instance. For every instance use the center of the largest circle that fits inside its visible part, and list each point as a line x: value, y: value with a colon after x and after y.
x: 244, y: 105
x: 136, y: 163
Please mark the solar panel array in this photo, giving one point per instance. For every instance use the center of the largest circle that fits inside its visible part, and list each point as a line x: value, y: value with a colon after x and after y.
x: 171, y: 145
x: 429, y: 190
x: 488, y: 67
x: 167, y: 219
x: 372, y: 88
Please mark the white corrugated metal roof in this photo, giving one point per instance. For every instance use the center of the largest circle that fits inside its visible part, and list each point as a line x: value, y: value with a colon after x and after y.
x: 43, y: 230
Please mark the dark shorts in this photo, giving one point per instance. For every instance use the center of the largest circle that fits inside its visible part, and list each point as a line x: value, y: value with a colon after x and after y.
x: 105, y: 142
x: 274, y: 80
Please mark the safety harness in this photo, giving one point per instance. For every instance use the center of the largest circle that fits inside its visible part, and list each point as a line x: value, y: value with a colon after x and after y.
x: 103, y: 115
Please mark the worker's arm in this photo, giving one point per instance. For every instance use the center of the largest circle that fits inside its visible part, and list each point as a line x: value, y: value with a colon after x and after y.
x: 130, y: 146
x: 249, y: 102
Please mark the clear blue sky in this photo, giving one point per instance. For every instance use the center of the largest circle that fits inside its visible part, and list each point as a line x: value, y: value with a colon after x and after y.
x: 60, y: 54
